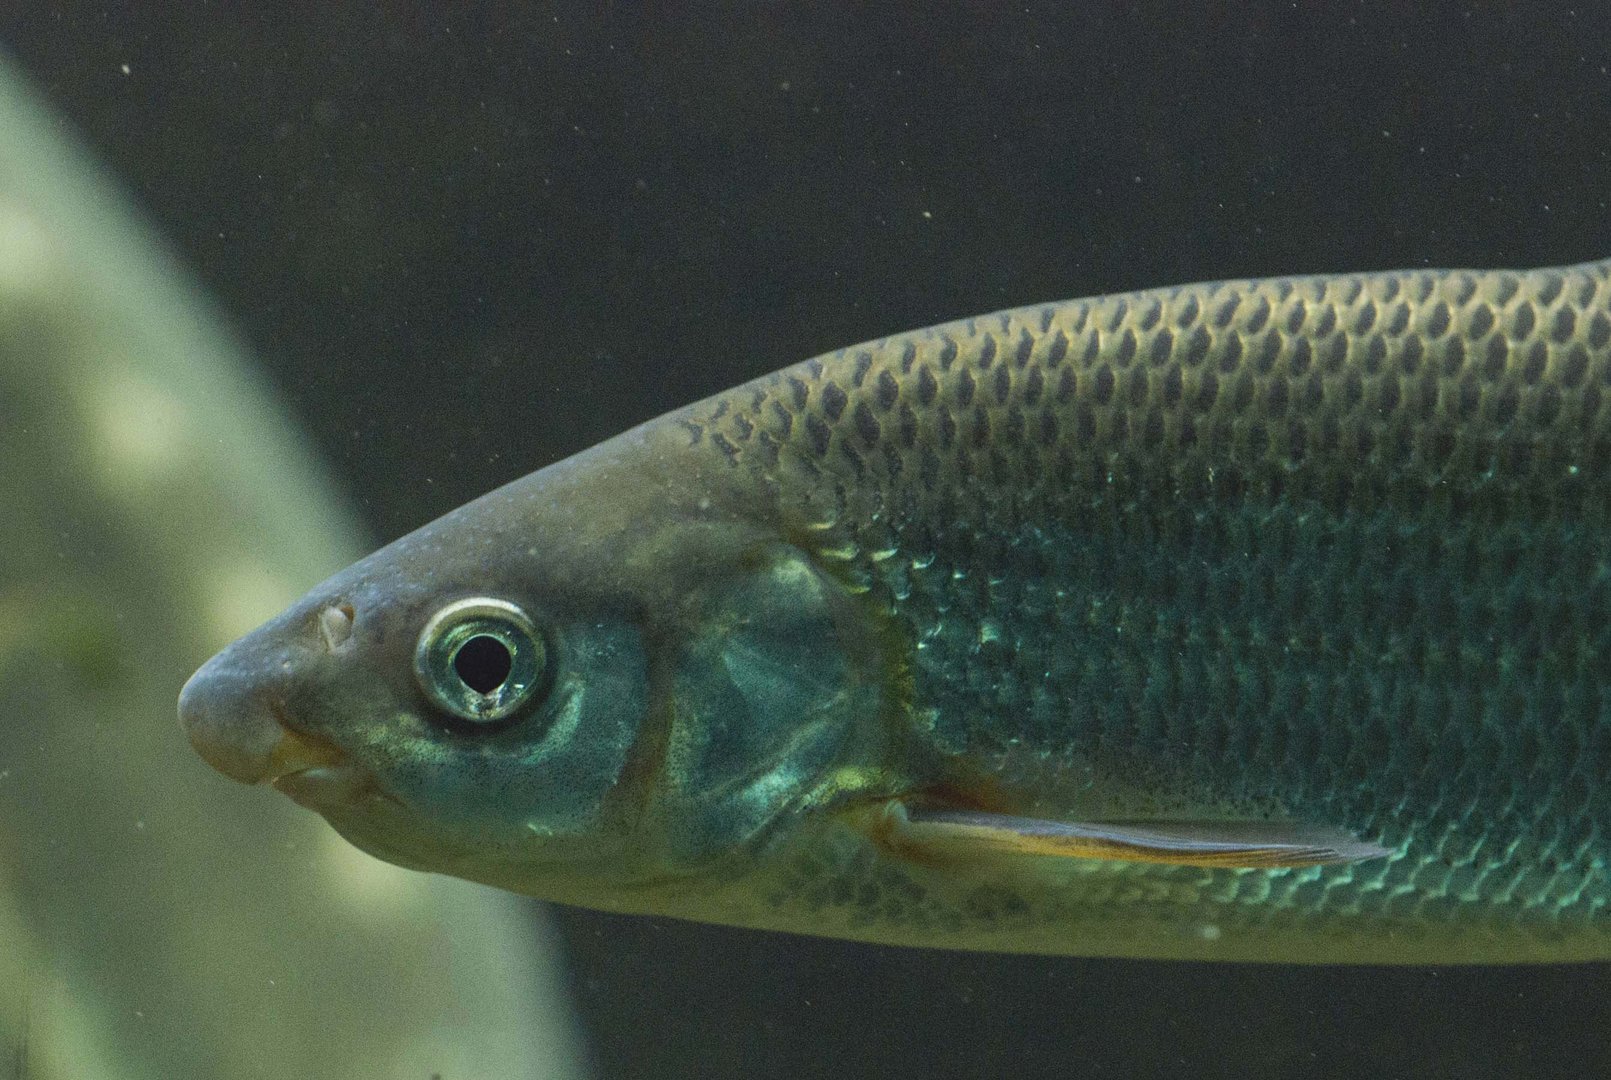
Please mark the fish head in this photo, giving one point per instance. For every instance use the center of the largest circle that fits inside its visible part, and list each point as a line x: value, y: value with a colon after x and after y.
x: 582, y: 686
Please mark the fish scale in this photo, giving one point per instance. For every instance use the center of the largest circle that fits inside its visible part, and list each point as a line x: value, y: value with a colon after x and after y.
x: 1335, y: 544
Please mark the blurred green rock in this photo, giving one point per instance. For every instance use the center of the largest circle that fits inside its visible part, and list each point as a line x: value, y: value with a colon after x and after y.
x: 157, y: 921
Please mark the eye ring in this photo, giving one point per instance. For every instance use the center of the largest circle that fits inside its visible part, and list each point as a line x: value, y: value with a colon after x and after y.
x: 480, y: 659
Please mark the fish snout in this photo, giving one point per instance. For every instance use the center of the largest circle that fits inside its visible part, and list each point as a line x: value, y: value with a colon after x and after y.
x: 234, y: 722
x: 228, y: 721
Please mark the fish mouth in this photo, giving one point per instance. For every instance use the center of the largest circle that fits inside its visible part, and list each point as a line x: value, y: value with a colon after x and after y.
x: 250, y: 736
x: 312, y: 771
x: 319, y: 787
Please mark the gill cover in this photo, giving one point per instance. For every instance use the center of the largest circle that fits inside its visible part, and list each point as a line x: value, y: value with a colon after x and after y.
x: 775, y: 677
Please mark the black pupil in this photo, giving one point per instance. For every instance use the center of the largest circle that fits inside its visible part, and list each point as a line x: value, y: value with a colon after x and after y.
x: 483, y: 663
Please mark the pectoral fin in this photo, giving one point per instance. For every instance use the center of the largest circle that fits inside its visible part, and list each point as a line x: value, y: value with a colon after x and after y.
x: 944, y: 834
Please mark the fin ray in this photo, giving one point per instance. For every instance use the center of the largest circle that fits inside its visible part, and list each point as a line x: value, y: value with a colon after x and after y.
x: 1257, y: 844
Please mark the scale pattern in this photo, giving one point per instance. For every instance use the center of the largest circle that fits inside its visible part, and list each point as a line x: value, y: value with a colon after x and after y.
x: 1334, y: 544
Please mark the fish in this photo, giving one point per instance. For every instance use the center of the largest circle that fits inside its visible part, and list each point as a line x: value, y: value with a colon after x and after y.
x: 1254, y: 620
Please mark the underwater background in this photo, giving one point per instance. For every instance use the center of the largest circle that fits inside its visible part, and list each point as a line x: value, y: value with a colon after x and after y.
x: 465, y: 242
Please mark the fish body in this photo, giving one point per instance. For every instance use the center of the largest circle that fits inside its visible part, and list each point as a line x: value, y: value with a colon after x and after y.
x: 1261, y: 620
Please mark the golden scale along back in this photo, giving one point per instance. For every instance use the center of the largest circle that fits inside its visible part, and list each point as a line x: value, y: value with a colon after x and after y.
x: 1347, y: 386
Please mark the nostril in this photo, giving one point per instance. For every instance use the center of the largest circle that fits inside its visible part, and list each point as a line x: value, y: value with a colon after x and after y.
x: 335, y: 625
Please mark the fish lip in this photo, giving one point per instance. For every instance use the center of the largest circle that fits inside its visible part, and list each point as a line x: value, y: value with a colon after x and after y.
x: 312, y: 771
x: 296, y: 750
x: 322, y: 787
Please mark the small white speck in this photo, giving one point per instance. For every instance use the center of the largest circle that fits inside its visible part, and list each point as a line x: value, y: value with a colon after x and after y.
x: 928, y: 215
x: 1209, y: 932
x: 123, y: 68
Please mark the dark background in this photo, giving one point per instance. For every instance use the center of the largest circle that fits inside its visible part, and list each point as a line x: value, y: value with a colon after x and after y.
x: 466, y: 244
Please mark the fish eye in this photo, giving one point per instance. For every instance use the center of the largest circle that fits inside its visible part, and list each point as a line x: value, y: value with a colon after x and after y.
x: 480, y: 659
